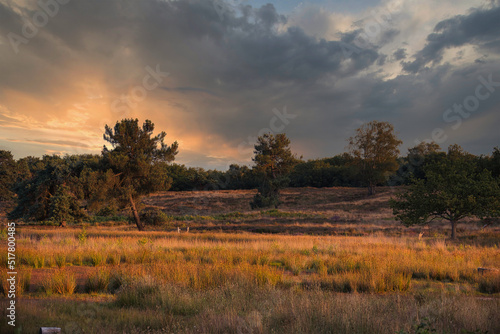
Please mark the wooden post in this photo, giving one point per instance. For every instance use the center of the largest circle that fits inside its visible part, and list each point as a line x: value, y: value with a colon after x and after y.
x: 49, y: 330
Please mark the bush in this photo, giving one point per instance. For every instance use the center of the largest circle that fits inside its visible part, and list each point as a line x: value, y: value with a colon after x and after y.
x: 107, y: 210
x: 155, y: 217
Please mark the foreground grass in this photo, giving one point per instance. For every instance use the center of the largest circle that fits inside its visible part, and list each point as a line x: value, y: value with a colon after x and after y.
x: 230, y: 283
x: 243, y: 309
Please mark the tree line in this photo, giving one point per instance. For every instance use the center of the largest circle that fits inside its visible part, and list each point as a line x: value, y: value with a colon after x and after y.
x: 71, y: 187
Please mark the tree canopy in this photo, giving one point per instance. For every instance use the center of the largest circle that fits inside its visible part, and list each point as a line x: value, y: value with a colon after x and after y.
x: 7, y: 175
x: 54, y: 189
x: 375, y: 148
x: 453, y: 188
x: 273, y: 163
x: 51, y: 189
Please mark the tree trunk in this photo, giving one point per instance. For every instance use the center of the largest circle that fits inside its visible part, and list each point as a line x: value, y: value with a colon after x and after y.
x: 453, y: 229
x: 140, y: 227
x: 371, y: 189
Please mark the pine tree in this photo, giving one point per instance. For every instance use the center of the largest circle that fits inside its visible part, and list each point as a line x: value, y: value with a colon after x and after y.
x: 273, y: 162
x: 138, y: 161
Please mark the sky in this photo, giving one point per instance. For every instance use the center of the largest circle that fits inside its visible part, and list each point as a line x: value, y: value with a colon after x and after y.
x: 216, y: 74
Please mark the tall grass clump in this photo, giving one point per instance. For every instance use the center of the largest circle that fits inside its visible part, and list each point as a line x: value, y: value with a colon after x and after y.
x: 23, y: 281
x: 96, y: 259
x: 38, y: 261
x: 61, y: 282
x: 98, y: 281
x: 146, y: 293
x: 82, y: 236
x: 60, y: 260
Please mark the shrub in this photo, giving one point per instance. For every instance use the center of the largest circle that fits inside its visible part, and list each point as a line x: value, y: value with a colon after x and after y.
x: 155, y: 217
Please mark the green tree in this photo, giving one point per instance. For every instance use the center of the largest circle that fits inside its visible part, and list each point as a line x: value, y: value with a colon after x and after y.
x: 375, y: 149
x: 7, y: 175
x: 412, y: 166
x: 273, y: 163
x: 64, y: 206
x: 138, y: 160
x: 495, y: 162
x: 453, y: 189
x: 36, y: 195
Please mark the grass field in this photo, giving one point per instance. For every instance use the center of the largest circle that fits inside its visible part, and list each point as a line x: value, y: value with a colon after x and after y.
x: 328, y: 261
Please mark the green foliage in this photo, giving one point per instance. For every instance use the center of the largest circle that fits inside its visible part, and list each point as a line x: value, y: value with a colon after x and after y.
x: 138, y: 161
x: 155, y: 217
x: 268, y: 195
x: 7, y: 175
x: 375, y: 149
x: 195, y: 178
x: 452, y: 189
x: 412, y: 166
x: 64, y: 207
x: 495, y: 162
x: 338, y: 171
x: 273, y: 162
x: 54, y: 189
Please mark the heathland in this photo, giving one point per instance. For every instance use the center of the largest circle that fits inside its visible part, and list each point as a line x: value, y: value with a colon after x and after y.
x: 330, y: 260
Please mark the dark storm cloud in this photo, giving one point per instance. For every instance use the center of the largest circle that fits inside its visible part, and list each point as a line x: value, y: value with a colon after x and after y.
x: 231, y: 70
x: 480, y: 27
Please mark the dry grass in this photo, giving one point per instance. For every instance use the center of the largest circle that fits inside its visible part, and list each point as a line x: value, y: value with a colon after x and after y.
x: 204, y: 261
x: 369, y: 275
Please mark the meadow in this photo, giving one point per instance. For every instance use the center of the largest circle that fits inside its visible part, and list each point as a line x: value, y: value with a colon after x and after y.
x: 328, y: 261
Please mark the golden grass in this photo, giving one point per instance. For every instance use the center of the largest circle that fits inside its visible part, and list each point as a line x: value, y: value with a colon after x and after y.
x: 114, y: 279
x: 201, y: 261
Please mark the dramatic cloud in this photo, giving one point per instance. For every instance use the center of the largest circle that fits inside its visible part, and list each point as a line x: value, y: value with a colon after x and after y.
x: 479, y: 28
x: 216, y: 74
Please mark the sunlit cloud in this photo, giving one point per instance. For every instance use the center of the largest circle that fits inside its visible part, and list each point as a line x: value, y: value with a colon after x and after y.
x: 89, y: 66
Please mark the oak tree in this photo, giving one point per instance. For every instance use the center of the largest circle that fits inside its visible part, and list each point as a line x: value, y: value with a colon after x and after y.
x: 453, y: 188
x: 375, y: 149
